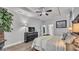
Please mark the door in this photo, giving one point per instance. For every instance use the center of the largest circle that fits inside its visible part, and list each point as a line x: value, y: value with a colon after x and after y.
x: 44, y: 30
x: 51, y: 29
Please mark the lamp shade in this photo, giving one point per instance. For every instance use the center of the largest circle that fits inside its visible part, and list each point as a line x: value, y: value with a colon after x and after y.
x: 75, y: 27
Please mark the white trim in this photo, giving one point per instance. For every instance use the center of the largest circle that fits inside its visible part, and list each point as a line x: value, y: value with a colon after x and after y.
x: 12, y: 44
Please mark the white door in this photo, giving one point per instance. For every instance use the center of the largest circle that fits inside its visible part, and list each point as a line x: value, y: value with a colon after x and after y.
x: 51, y: 29
x: 44, y: 30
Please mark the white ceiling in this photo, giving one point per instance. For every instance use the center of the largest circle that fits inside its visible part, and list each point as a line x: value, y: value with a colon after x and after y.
x: 31, y: 12
x: 64, y: 11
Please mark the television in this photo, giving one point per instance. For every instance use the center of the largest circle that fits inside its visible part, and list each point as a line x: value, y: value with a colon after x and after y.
x: 31, y: 29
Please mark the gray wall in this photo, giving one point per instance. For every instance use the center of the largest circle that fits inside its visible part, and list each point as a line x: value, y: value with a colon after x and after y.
x: 17, y: 34
x: 57, y: 31
x: 35, y: 23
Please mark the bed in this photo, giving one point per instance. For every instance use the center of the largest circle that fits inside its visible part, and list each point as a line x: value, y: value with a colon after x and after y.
x: 49, y: 43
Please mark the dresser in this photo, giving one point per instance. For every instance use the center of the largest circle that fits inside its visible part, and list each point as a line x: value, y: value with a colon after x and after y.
x: 29, y: 36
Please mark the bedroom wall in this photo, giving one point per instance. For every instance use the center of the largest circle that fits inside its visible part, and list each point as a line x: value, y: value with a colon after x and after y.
x: 17, y: 34
x: 33, y: 22
x: 57, y: 31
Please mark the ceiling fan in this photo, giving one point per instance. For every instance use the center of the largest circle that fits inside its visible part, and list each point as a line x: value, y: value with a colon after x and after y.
x: 43, y: 11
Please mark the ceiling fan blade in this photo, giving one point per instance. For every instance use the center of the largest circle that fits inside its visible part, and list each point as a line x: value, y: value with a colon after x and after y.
x: 49, y: 11
x: 46, y: 14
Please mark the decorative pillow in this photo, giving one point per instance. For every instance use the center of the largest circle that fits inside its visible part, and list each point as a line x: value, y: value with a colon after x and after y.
x: 64, y: 36
x: 76, y: 42
x: 69, y: 38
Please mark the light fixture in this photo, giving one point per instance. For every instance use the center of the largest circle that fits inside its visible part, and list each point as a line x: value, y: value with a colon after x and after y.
x: 26, y: 27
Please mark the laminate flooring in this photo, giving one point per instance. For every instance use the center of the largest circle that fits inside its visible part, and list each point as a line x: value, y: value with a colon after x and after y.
x: 20, y: 47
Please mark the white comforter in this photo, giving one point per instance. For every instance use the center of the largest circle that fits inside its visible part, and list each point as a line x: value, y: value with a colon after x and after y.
x: 49, y: 43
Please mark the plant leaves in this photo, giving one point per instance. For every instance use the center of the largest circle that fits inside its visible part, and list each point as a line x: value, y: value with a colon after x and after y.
x: 5, y: 20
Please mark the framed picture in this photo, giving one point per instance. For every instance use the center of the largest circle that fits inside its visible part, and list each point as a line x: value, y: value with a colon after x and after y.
x: 61, y: 24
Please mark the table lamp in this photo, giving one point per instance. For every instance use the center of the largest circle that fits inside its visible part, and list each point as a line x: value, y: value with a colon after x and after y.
x: 75, y: 27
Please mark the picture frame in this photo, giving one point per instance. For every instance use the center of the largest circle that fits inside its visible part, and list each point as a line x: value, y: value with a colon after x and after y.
x: 61, y: 24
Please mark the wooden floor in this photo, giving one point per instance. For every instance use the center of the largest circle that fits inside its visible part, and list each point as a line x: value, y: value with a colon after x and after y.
x: 20, y: 47
x: 27, y: 47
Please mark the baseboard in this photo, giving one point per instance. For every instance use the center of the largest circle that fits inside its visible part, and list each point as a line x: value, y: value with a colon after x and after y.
x: 12, y: 44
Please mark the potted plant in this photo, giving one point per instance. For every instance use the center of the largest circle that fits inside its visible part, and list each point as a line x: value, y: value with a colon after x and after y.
x: 5, y: 22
